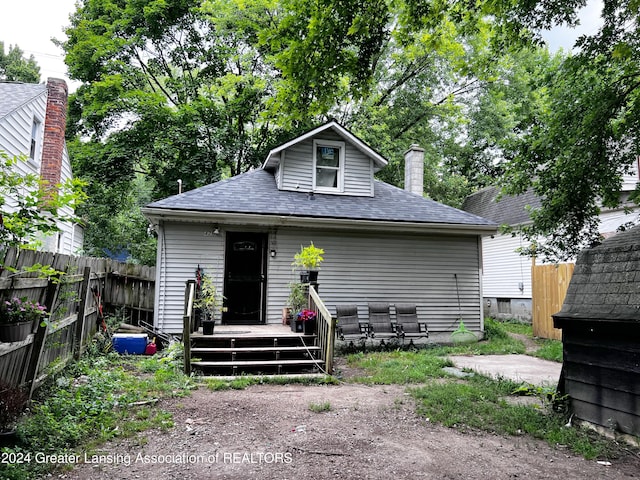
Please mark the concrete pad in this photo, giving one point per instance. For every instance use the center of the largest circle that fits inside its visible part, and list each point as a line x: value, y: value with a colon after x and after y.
x: 519, y: 368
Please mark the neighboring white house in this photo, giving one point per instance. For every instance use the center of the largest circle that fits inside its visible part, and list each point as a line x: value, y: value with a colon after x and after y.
x: 381, y: 243
x: 32, y: 124
x: 506, y: 279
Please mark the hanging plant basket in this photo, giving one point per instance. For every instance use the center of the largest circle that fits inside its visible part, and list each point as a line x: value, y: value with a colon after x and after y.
x: 16, y: 332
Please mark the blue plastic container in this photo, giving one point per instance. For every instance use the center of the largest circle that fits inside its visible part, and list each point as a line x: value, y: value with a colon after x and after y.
x: 129, y: 343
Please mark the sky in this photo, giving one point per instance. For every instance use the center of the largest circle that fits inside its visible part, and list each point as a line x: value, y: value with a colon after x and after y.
x: 32, y: 23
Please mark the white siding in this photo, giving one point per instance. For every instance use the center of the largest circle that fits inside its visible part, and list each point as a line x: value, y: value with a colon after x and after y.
x: 15, y: 139
x: 358, y: 268
x: 297, y: 168
x: 504, y: 269
x: 15, y: 133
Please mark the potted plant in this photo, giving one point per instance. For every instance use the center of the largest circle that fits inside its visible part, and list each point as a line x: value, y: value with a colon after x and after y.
x: 308, y: 259
x: 307, y: 318
x: 298, y: 300
x: 209, y: 301
x: 18, y: 318
x: 13, y: 401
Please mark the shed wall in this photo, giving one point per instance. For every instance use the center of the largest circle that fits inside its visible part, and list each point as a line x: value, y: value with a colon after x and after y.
x: 602, y: 374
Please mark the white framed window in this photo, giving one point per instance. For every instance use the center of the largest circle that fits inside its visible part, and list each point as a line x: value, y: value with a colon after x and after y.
x: 328, y: 166
x: 35, y: 139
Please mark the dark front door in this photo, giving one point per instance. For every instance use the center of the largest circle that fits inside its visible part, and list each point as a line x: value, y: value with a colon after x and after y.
x: 245, y: 278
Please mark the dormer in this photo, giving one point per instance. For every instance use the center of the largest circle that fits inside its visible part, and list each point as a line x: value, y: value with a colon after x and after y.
x: 329, y: 160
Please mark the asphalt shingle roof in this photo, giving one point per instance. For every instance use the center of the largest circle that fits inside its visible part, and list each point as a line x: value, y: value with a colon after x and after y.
x: 14, y: 94
x: 509, y: 209
x: 255, y: 192
x: 606, y: 281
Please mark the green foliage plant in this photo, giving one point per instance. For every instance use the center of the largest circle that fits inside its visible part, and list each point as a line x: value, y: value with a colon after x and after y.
x: 308, y: 258
x: 297, y: 296
x: 210, y: 300
x: 31, y: 209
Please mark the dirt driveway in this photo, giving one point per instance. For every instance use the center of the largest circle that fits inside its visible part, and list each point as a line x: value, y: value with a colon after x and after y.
x: 268, y: 432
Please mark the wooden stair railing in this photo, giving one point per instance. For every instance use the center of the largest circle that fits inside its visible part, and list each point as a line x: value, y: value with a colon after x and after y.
x: 326, y: 326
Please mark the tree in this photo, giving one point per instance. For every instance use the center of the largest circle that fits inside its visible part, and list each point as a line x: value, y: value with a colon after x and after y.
x: 572, y: 153
x: 172, y: 91
x: 15, y: 68
x: 575, y: 151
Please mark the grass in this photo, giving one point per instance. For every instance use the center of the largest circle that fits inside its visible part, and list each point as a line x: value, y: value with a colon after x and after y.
x: 549, y: 350
x: 320, y: 407
x: 480, y: 403
x: 398, y: 366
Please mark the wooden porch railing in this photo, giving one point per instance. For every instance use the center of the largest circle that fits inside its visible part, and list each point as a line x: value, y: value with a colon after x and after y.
x: 188, y: 321
x: 326, y: 325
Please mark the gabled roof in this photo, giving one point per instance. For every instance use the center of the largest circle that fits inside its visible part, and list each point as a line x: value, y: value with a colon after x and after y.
x: 273, y: 158
x: 255, y: 193
x: 605, y: 285
x: 508, y: 209
x: 15, y: 94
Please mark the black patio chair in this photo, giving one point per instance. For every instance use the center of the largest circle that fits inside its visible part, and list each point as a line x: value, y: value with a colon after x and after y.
x: 408, y: 324
x: 348, y: 325
x: 380, y: 321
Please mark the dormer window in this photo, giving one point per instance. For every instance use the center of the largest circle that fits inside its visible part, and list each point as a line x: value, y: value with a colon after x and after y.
x: 328, y: 166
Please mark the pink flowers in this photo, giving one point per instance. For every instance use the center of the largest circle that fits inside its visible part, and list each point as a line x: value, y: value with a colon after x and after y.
x: 306, y: 315
x: 21, y: 310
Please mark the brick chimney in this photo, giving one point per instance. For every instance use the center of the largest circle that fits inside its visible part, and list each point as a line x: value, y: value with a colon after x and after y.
x: 54, y: 129
x: 414, y: 170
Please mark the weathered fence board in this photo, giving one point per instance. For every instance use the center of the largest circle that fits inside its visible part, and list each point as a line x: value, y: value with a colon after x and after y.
x: 75, y: 305
x: 549, y: 284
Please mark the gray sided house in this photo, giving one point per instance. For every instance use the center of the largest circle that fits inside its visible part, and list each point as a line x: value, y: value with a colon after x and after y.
x: 600, y: 322
x: 381, y: 243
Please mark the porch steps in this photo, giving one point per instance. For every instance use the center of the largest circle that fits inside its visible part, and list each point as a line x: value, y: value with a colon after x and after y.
x: 223, y: 354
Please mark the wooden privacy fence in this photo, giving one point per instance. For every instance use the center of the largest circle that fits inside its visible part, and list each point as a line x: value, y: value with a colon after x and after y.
x: 549, y: 284
x: 74, y: 301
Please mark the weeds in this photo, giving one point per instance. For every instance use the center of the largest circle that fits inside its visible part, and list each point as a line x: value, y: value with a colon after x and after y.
x: 320, y: 407
x: 95, y: 400
x: 480, y: 403
x: 549, y: 350
x: 398, y: 366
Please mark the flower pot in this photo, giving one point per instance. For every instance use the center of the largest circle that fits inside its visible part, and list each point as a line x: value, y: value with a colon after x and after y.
x: 309, y: 276
x: 297, y: 326
x: 8, y: 438
x: 309, y: 327
x: 15, y: 332
x: 207, y: 327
